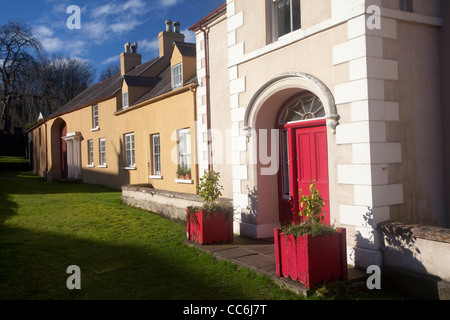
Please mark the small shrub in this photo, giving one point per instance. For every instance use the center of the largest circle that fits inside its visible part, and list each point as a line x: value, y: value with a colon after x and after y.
x: 210, y: 190
x: 311, y: 210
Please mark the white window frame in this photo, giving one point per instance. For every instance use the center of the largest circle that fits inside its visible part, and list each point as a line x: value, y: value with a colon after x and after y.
x: 183, y: 156
x: 275, y: 33
x: 156, y: 156
x: 184, y: 151
x: 177, y: 76
x: 95, y: 120
x: 102, y: 152
x: 90, y: 149
x: 125, y: 100
x: 130, y: 160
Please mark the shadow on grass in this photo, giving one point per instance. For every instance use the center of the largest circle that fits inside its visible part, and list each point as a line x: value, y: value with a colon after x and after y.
x: 155, y: 265
x: 33, y: 266
x: 25, y: 182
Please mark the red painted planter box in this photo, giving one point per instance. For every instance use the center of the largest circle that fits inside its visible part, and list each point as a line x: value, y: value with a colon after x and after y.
x: 207, y: 228
x: 311, y: 260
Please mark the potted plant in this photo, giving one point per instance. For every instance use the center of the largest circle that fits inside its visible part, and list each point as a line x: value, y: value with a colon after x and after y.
x: 184, y: 173
x: 213, y: 221
x: 311, y: 251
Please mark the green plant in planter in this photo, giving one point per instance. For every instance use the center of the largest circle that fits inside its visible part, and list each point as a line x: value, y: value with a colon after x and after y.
x: 181, y: 171
x: 311, y: 210
x: 210, y: 190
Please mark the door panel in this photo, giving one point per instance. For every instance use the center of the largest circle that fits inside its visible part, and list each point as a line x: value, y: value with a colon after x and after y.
x: 312, y: 163
x: 308, y: 158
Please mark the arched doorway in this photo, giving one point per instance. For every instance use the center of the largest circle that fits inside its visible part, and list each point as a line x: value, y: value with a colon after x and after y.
x: 269, y: 110
x: 303, y: 154
x: 59, y: 149
x: 63, y: 130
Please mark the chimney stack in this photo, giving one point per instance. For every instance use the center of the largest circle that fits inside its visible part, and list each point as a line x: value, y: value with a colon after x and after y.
x: 168, y: 37
x: 129, y: 58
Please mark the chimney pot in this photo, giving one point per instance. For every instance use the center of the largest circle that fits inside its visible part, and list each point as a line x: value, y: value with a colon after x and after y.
x: 176, y: 26
x: 127, y: 47
x: 168, y: 26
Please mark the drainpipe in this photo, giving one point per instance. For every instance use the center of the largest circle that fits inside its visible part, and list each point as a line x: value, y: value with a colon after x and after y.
x: 46, y: 153
x: 208, y: 107
x: 194, y: 96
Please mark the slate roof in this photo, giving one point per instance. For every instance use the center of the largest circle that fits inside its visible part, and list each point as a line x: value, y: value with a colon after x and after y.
x: 186, y: 49
x: 96, y: 92
x: 106, y: 89
x: 136, y: 81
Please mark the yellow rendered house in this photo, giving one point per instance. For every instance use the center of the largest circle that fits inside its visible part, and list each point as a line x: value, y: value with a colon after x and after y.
x: 136, y: 127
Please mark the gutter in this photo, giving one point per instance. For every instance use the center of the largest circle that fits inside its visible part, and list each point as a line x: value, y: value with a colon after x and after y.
x: 166, y: 95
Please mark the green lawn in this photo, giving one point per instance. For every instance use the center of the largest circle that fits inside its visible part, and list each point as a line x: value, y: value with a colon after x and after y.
x: 123, y: 252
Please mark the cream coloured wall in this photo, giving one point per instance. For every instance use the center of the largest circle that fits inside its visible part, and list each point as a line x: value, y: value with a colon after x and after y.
x: 164, y: 117
x: 369, y: 155
x: 220, y: 116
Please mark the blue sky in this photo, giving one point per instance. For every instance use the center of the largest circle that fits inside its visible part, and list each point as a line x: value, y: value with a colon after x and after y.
x: 106, y: 25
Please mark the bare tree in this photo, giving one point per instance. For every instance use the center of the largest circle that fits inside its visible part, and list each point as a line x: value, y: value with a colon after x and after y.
x: 17, y: 42
x: 109, y: 71
x: 65, y: 78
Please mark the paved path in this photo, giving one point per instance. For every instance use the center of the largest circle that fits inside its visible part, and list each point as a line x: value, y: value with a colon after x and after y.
x: 259, y: 255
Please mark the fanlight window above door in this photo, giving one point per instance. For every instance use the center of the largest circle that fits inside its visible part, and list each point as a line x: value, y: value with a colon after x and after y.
x: 305, y: 107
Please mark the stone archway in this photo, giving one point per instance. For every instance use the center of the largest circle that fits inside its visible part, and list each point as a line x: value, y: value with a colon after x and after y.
x: 260, y: 117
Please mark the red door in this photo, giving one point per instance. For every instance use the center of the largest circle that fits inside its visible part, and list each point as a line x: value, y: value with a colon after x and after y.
x: 308, y: 160
x: 312, y: 163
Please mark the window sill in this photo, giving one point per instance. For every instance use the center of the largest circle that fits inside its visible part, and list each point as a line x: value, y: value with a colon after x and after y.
x: 129, y: 168
x: 155, y: 177
x: 184, y: 181
x: 90, y: 166
x: 95, y: 129
x: 103, y: 166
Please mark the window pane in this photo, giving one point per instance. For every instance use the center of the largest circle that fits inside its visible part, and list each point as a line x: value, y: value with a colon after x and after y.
x: 284, y: 149
x: 184, y: 148
x: 296, y: 15
x: 91, y: 152
x: 303, y: 108
x: 156, y: 155
x: 177, y: 76
x: 283, y: 17
x: 129, y: 150
x: 95, y: 116
x: 125, y: 99
x: 102, y: 152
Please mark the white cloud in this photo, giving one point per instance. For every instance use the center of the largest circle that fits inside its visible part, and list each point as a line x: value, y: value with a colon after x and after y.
x: 44, y: 31
x: 67, y: 46
x: 168, y: 3
x: 149, y: 46
x: 113, y: 59
x: 189, y: 36
x: 52, y: 45
x: 95, y: 30
x: 124, y: 26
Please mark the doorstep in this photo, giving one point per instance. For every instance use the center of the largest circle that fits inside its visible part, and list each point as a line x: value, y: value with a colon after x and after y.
x: 259, y: 255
